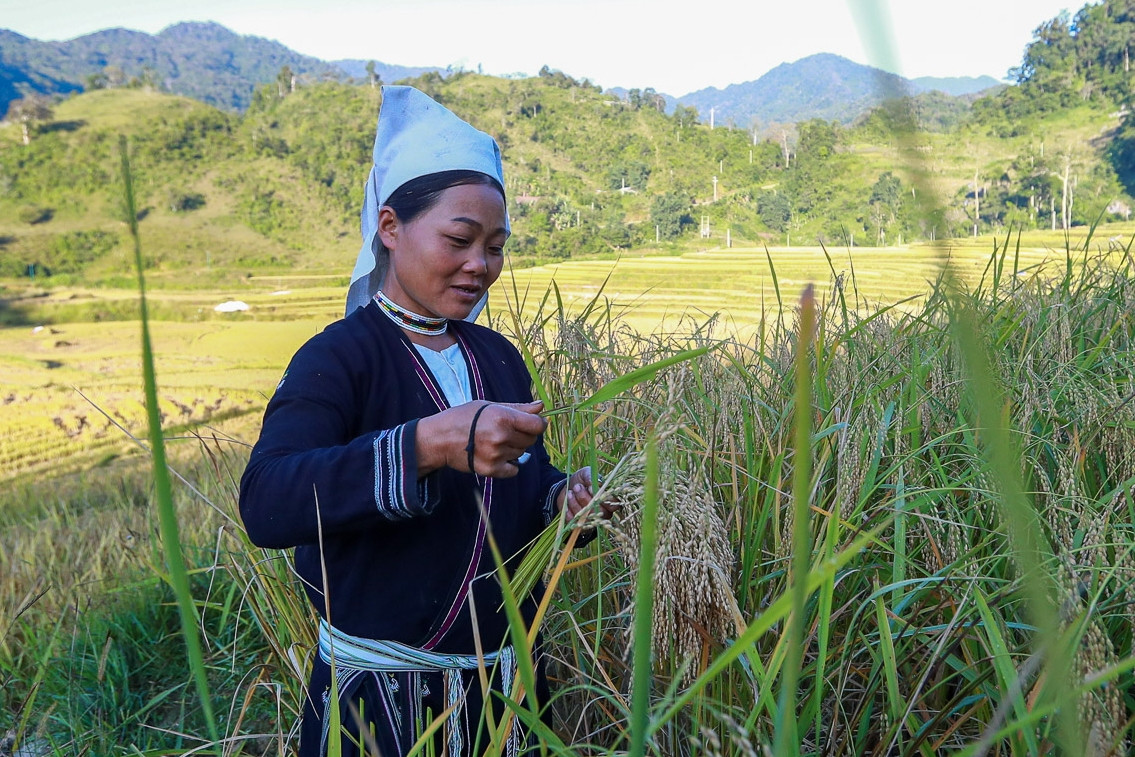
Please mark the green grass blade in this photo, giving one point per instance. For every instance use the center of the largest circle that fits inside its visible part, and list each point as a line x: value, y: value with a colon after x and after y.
x: 787, y: 738
x: 642, y: 666
x: 167, y: 518
x: 1002, y: 663
x: 517, y: 631
x: 617, y: 386
x: 1030, y: 547
x: 890, y: 665
x: 775, y: 281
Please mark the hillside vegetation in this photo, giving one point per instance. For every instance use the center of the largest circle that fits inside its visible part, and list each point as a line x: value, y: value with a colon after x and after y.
x: 227, y: 195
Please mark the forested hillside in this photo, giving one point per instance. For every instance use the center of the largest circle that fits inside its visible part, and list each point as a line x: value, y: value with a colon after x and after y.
x: 204, y: 61
x: 588, y: 172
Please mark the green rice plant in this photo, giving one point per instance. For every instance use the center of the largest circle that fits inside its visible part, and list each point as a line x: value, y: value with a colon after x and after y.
x: 542, y: 552
x: 916, y: 635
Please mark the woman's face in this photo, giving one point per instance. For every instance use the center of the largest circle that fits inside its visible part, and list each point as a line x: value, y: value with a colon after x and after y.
x: 444, y: 260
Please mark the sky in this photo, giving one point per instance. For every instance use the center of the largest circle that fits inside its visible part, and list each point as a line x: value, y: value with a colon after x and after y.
x: 674, y: 46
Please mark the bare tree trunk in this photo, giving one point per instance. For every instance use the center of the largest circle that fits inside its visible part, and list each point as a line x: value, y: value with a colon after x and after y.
x: 1065, y: 201
x: 27, y: 133
x: 1071, y: 202
x: 976, y: 204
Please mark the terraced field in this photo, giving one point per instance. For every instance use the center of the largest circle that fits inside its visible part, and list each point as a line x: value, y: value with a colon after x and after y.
x: 72, y: 393
x: 740, y: 284
x: 221, y: 366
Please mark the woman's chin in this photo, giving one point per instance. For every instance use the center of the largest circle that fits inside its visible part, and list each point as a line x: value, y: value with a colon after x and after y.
x: 461, y: 304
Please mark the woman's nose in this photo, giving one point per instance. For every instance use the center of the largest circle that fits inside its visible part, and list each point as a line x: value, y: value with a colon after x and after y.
x: 476, y: 261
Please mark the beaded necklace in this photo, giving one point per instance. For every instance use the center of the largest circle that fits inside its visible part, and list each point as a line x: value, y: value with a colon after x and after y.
x: 419, y: 324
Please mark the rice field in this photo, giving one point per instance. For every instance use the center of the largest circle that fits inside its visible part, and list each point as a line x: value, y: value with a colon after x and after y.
x: 880, y: 596
x: 72, y: 394
x: 741, y: 285
x: 71, y: 389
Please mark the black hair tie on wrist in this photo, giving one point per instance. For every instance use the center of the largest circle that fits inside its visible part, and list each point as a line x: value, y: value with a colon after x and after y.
x: 473, y: 435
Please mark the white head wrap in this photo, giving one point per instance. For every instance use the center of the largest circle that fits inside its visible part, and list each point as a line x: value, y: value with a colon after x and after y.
x: 415, y: 137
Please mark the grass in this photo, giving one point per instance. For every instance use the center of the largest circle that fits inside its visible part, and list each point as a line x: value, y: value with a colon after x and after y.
x: 125, y: 111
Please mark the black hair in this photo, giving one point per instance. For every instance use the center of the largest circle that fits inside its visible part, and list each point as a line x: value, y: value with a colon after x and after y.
x: 420, y: 194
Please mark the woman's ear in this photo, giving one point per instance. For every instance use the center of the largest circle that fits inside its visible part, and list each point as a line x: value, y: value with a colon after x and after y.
x: 388, y: 226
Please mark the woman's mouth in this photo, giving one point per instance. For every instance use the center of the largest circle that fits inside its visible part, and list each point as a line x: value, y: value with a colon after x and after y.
x: 468, y: 290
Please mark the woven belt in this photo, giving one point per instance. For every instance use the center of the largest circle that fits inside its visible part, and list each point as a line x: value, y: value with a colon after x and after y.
x: 354, y: 655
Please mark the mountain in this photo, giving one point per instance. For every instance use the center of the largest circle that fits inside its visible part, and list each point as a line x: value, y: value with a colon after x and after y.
x: 825, y: 86
x: 955, y: 85
x: 388, y: 72
x: 204, y: 61
x: 210, y: 63
x: 22, y: 70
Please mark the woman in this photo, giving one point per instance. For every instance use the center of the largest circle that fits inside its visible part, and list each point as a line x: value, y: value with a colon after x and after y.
x: 398, y: 436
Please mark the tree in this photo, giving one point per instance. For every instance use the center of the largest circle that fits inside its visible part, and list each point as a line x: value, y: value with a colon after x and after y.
x: 775, y: 210
x: 614, y: 231
x: 1067, y: 190
x: 818, y: 139
x: 97, y: 80
x: 669, y: 213
x: 285, y: 82
x: 372, y: 76
x: 651, y: 99
x: 1050, y: 56
x: 630, y: 174
x: 115, y: 76
x: 1121, y: 155
x: 810, y: 181
x: 685, y: 116
x: 28, y: 111
x: 557, y: 78
x: 148, y: 79
x: 885, y: 202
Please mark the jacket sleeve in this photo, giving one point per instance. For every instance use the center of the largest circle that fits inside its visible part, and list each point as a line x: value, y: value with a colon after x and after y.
x: 310, y: 471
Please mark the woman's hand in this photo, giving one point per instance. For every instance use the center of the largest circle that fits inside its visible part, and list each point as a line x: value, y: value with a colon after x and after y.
x: 578, y: 495
x: 502, y: 433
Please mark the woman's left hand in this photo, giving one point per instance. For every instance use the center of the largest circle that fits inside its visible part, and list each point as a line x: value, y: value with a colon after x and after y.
x: 578, y: 495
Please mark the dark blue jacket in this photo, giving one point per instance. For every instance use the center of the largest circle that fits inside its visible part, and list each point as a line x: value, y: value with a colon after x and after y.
x: 337, y: 451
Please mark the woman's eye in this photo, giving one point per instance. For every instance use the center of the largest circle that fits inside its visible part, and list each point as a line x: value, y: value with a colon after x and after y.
x: 459, y: 241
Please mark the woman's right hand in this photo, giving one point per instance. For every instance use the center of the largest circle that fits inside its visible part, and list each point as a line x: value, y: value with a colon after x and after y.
x: 503, y: 432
